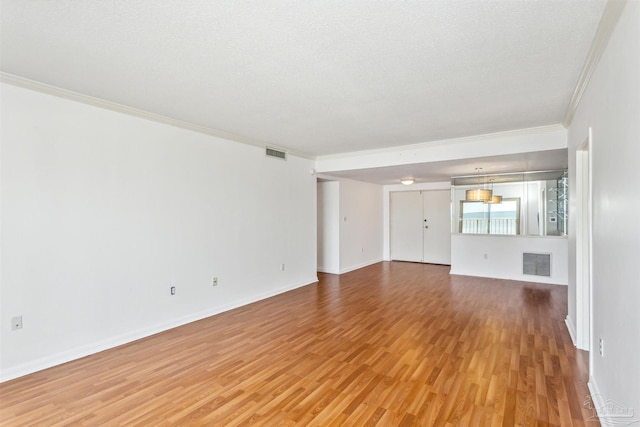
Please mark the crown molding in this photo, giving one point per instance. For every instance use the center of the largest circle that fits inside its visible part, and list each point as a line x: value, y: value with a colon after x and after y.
x: 610, y: 17
x: 120, y: 108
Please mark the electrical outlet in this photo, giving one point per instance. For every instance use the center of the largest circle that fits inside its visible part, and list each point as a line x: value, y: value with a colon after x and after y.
x: 486, y: 256
x: 215, y: 281
x: 281, y: 267
x: 173, y: 290
x: 16, y: 323
x: 601, y: 346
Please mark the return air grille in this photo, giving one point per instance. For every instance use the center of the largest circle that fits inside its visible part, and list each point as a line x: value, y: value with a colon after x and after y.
x: 271, y: 152
x: 536, y: 264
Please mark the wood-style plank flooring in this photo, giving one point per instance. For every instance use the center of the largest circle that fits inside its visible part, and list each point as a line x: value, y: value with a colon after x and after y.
x: 393, y: 344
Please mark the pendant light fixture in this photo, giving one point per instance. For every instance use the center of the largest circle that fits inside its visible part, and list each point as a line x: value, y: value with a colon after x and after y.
x: 494, y: 200
x: 479, y: 194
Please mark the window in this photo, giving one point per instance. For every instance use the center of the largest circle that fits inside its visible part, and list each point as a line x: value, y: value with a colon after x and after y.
x: 485, y: 218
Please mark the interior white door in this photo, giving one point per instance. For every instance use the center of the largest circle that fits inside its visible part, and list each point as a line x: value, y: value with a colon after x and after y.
x: 437, y: 227
x: 420, y: 226
x: 406, y: 226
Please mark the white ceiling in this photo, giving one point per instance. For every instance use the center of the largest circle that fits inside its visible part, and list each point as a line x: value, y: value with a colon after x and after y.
x: 317, y: 77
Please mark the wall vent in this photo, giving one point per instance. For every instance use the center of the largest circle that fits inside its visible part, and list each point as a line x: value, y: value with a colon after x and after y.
x: 536, y: 264
x: 278, y: 154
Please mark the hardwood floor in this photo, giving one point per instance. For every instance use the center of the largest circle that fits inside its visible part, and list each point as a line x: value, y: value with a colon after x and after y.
x: 393, y: 344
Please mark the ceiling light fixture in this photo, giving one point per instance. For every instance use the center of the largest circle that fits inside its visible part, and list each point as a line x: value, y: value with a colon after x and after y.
x: 479, y: 194
x: 494, y: 200
x: 407, y: 181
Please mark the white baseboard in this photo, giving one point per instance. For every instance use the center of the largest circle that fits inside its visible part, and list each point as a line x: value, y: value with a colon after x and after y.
x: 571, y: 329
x: 359, y: 266
x: 598, y: 401
x: 522, y: 278
x: 609, y: 413
x: 351, y: 268
x: 328, y: 271
x: 89, y: 349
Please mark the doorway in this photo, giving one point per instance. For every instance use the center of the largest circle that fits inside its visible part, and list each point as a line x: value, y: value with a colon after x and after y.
x: 583, y: 244
x: 328, y: 226
x: 420, y: 226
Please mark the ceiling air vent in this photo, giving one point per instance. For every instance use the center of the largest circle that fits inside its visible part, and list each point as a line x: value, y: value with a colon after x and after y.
x: 278, y: 154
x: 536, y: 264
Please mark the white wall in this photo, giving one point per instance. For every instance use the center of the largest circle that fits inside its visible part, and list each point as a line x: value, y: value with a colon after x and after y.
x: 360, y: 224
x: 611, y: 106
x: 102, y: 212
x: 504, y: 256
x: 329, y: 227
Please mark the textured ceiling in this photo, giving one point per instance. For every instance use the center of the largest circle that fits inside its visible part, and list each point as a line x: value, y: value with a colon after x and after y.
x: 318, y: 77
